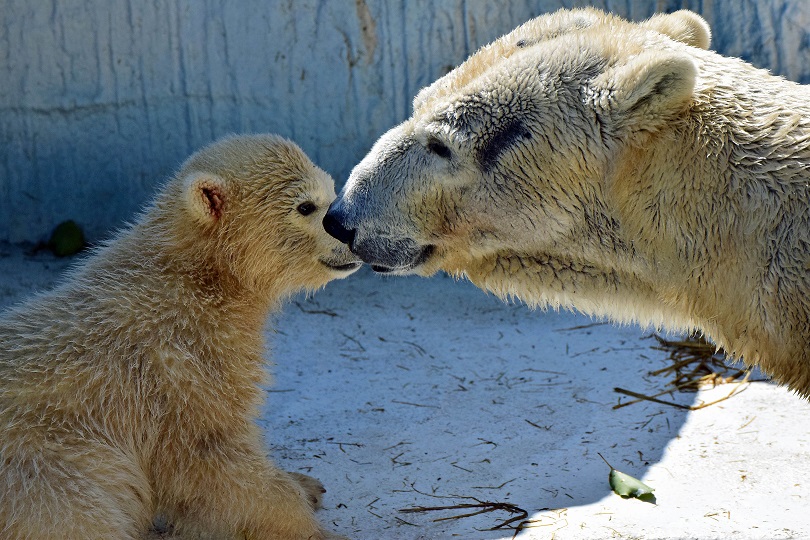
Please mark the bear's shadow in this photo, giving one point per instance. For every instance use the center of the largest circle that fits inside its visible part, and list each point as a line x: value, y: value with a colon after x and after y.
x: 410, y: 392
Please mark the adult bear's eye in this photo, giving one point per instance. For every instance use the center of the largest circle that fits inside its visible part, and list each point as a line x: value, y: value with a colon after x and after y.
x: 439, y: 148
x: 306, y: 208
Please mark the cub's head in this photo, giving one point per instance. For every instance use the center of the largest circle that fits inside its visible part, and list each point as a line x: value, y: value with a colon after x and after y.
x: 251, y: 207
x: 506, y: 152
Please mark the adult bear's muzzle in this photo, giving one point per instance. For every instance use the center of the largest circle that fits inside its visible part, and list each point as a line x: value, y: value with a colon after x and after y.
x: 333, y: 223
x: 385, y: 252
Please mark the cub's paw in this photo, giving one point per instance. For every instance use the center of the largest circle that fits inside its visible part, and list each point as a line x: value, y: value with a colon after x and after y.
x: 327, y: 535
x: 312, y: 487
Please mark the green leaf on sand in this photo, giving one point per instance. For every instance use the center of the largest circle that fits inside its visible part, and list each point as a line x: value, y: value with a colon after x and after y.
x: 626, y: 486
x: 67, y: 239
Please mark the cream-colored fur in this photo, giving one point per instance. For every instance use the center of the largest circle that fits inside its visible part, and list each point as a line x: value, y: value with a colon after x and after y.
x: 131, y: 390
x: 617, y: 168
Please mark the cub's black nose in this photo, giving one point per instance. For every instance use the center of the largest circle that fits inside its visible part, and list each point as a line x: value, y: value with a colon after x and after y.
x: 332, y: 224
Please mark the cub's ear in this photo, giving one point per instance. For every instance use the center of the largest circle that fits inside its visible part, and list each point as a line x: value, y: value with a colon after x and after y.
x: 206, y: 196
x: 647, y: 92
x: 684, y: 26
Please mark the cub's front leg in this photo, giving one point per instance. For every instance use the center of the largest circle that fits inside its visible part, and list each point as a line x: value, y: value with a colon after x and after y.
x: 235, y: 492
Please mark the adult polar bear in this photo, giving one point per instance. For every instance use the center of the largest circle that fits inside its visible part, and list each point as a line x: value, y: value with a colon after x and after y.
x: 613, y: 167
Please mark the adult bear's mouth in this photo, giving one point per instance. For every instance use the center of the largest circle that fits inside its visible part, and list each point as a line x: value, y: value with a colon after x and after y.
x: 392, y: 256
x: 420, y: 259
x: 385, y: 252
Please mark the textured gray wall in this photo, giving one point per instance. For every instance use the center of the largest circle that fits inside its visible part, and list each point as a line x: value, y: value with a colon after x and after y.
x: 100, y: 100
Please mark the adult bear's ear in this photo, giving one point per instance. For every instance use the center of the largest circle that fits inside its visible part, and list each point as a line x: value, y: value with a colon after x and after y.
x: 684, y: 26
x: 206, y: 196
x: 647, y: 92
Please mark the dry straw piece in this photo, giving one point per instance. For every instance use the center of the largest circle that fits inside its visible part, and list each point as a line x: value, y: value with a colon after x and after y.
x: 694, y: 364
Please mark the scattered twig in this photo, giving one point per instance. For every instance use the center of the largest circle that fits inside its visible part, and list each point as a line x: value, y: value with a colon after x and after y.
x: 353, y: 340
x: 316, y: 311
x: 581, y: 326
x: 641, y: 397
x: 580, y: 353
x: 748, y: 423
x: 403, y: 522
x: 419, y: 349
x: 495, y: 487
x: 533, y: 370
x: 395, y: 461
x: 544, y: 428
x: 394, y: 446
x: 342, y: 444
x: 457, y: 466
x: 415, y: 404
x: 484, y: 441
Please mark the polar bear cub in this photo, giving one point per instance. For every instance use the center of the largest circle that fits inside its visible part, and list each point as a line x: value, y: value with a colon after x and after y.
x: 131, y: 390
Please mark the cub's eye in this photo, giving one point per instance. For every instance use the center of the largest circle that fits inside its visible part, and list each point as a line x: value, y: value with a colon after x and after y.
x: 439, y: 148
x: 306, y: 208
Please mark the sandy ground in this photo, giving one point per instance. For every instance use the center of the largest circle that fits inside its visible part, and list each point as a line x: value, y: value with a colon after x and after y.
x: 406, y: 392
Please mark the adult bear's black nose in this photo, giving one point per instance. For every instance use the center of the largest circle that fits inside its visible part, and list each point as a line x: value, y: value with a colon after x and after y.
x: 332, y: 222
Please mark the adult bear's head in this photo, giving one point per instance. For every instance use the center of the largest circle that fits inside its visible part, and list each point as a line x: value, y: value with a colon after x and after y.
x: 508, y: 151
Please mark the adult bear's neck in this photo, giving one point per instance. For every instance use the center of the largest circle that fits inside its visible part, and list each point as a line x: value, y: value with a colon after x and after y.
x: 723, y: 231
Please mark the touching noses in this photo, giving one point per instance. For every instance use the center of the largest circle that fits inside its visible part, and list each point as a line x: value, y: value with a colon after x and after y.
x: 332, y: 222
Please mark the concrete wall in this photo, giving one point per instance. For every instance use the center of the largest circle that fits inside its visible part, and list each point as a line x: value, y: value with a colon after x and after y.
x: 102, y: 99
